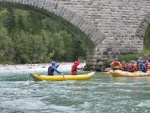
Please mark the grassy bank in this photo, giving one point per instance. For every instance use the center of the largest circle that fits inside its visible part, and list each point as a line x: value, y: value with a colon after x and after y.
x: 135, y: 56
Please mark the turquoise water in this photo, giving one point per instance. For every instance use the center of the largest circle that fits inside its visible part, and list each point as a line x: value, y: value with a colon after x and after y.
x: 101, y: 94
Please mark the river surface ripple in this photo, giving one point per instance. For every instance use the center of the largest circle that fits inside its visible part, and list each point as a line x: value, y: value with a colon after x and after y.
x: 102, y: 94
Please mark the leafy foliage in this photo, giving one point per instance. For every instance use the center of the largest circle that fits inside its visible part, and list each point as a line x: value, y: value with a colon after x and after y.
x: 28, y: 37
x: 147, y: 38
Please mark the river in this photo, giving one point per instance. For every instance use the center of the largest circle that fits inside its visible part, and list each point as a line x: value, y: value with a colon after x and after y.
x: 19, y: 93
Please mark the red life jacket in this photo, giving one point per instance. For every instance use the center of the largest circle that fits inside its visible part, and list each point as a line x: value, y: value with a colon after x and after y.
x: 148, y: 67
x: 116, y: 63
x: 130, y: 67
x: 74, y: 69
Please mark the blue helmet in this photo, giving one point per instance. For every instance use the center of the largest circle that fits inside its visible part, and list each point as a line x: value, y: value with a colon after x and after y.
x: 53, y: 62
x: 131, y: 61
x: 141, y: 61
x: 116, y: 58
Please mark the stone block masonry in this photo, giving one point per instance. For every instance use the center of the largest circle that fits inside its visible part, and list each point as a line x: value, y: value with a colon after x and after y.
x: 114, y: 26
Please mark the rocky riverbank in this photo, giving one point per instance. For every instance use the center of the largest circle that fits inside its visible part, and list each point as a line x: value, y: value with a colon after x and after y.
x: 63, y: 66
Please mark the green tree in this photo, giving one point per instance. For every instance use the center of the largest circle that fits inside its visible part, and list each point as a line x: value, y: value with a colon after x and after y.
x: 31, y: 37
x: 147, y: 38
x: 57, y: 46
x: 79, y: 49
x: 34, y: 23
x: 9, y: 23
x: 6, y: 46
x: 67, y: 39
x: 47, y: 53
x: 21, y: 20
x: 4, y: 16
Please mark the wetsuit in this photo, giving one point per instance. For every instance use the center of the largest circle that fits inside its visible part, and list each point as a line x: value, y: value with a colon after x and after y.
x: 53, y: 68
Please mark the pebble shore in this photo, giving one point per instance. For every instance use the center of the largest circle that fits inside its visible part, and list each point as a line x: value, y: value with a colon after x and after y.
x: 64, y: 65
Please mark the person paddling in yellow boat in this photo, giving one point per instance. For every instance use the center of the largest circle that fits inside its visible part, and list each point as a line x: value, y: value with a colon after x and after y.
x: 148, y: 66
x: 74, y: 67
x: 115, y: 64
x: 141, y: 66
x: 123, y: 66
x: 53, y: 68
x: 131, y: 67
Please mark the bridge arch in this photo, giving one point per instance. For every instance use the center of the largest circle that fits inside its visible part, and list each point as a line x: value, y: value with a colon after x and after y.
x: 140, y: 32
x: 115, y: 27
x: 59, y: 10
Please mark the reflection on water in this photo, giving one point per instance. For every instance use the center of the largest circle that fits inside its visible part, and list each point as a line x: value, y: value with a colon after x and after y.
x: 101, y: 94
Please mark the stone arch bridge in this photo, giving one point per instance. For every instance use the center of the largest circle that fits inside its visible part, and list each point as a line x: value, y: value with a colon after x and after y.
x: 114, y: 26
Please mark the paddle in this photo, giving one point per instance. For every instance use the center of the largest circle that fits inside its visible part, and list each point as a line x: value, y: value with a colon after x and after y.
x: 63, y: 77
x: 82, y: 67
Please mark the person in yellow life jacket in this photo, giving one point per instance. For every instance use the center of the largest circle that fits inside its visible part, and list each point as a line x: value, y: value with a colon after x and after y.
x: 75, y: 67
x: 115, y: 64
x: 135, y: 64
x: 123, y: 66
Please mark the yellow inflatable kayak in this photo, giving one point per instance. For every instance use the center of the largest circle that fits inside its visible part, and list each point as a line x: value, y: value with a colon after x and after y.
x: 106, y: 72
x: 120, y: 73
x: 37, y: 77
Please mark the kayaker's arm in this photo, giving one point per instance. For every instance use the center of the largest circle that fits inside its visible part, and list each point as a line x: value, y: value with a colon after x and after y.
x: 57, y: 66
x: 55, y: 69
